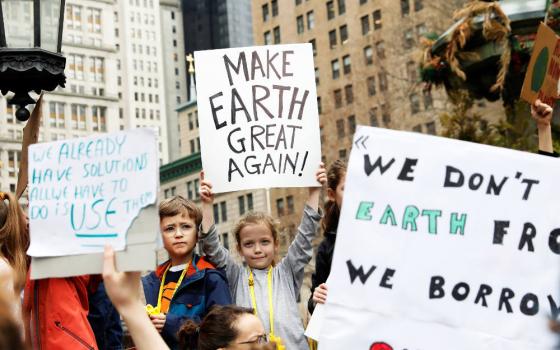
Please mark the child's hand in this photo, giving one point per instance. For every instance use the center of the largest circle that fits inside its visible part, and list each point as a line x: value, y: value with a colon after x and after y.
x: 320, y: 294
x: 314, y: 192
x: 123, y: 288
x: 542, y: 113
x: 158, y: 321
x: 206, y: 194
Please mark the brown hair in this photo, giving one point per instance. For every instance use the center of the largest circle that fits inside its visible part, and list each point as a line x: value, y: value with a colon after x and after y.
x: 14, y: 237
x: 255, y: 218
x: 10, y: 332
x: 217, y: 329
x: 179, y: 205
x: 336, y: 172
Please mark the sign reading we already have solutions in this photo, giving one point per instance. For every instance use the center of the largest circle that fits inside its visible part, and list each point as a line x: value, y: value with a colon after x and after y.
x: 259, y: 123
x: 86, y: 192
x: 444, y: 244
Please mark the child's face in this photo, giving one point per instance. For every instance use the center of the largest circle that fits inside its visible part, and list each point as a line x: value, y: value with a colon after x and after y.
x: 179, y: 235
x: 257, y: 246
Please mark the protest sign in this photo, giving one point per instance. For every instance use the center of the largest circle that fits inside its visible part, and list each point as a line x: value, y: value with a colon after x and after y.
x: 444, y: 250
x: 543, y: 72
x: 86, y: 192
x: 259, y: 123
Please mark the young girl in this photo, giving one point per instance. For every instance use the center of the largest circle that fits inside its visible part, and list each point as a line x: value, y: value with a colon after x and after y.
x: 270, y: 289
x: 335, y: 191
x: 14, y: 240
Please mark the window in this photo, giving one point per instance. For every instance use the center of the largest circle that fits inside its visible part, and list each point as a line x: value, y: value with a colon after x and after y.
x: 172, y: 15
x: 351, y: 124
x: 335, y: 67
x: 319, y: 104
x: 377, y: 19
x: 368, y: 55
x: 97, y: 70
x: 225, y: 240
x: 408, y: 40
x: 216, y: 208
x: 342, y: 154
x: 371, y: 86
x: 340, y: 132
x: 193, y: 148
x: 190, y: 193
x: 241, y: 203
x: 421, y: 30
x: 99, y: 117
x: 276, y: 31
x: 249, y: 201
x: 290, y: 204
x: 94, y: 20
x: 418, y: 5
x: 265, y: 12
x: 316, y: 76
x: 223, y: 210
x: 411, y: 71
x: 428, y: 100
x: 405, y: 7
x: 298, y: 2
x: 347, y: 64
x: 299, y: 22
x: 363, y: 2
x: 56, y: 114
x: 330, y: 10
x: 74, y: 16
x: 341, y: 7
x: 338, y: 98
x: 349, y: 93
x: 310, y: 20
x: 332, y: 38
x: 267, y: 38
x: 313, y: 46
x: 431, y: 128
x: 280, y: 206
x: 417, y: 128
x: 373, y: 117
x: 78, y: 116
x: 383, y: 83
x: 385, y: 114
x: 380, y: 49
x: 343, y: 34
x: 13, y: 163
x: 365, y: 25
x: 414, y: 103
x: 274, y: 5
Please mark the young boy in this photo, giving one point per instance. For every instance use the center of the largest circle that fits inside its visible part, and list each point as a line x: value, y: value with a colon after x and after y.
x: 185, y: 286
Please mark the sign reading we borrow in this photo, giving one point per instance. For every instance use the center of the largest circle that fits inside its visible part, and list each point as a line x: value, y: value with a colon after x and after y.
x: 259, y: 123
x: 444, y: 244
x: 86, y: 192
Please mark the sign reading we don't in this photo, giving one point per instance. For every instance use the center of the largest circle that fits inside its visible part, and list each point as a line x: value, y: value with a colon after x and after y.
x: 259, y: 123
x: 86, y: 192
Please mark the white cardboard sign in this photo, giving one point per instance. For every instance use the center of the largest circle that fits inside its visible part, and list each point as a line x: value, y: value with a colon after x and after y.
x: 444, y: 244
x: 86, y: 192
x: 258, y: 117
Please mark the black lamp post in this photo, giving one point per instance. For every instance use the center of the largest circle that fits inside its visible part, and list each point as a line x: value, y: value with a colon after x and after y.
x: 30, y: 42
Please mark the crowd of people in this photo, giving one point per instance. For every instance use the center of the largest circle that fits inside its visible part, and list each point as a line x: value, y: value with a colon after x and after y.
x: 207, y: 302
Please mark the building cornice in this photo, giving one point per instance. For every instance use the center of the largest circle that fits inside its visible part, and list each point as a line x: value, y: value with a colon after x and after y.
x: 90, y: 47
x: 185, y: 105
x: 74, y: 94
x: 180, y: 168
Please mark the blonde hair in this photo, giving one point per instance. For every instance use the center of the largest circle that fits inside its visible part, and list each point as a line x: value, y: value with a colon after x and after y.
x: 179, y: 205
x: 14, y: 237
x: 255, y: 218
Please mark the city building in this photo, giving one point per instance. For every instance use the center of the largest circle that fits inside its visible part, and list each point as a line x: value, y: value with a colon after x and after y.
x: 117, y: 77
x: 216, y: 24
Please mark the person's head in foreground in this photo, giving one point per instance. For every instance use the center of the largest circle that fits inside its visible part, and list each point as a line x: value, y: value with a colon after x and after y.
x: 225, y: 328
x: 257, y: 239
x: 179, y: 220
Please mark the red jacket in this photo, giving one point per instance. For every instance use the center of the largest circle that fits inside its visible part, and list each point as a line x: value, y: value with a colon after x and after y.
x: 58, y: 309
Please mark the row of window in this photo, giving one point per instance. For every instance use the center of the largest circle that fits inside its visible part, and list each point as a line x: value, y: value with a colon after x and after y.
x: 415, y: 101
x: 144, y: 2
x: 73, y: 18
x: 341, y: 5
x: 287, y: 209
x: 405, y: 6
x: 142, y: 113
x: 141, y: 97
x: 268, y: 36
x: 139, y: 81
x: 57, y: 116
x: 77, y: 69
x: 150, y: 66
x: 136, y: 17
x: 148, y: 34
x: 149, y: 50
x: 310, y: 22
x: 268, y: 8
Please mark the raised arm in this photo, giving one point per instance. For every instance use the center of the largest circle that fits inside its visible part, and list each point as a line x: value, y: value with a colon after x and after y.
x: 542, y: 113
x: 300, y: 251
x: 209, y: 239
x: 123, y: 288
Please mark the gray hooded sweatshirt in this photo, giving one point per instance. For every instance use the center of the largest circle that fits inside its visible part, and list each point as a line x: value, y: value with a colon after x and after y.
x: 287, y: 277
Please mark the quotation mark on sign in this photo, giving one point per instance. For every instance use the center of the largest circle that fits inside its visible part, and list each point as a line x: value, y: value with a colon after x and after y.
x: 361, y: 141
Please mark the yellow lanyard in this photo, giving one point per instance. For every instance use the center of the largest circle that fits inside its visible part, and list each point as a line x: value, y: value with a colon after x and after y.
x: 254, y: 300
x: 157, y: 310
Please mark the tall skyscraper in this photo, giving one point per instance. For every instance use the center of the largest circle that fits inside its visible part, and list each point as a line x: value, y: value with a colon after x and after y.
x: 216, y: 24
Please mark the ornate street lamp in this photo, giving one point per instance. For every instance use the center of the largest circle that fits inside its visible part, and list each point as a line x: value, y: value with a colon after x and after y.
x: 30, y: 42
